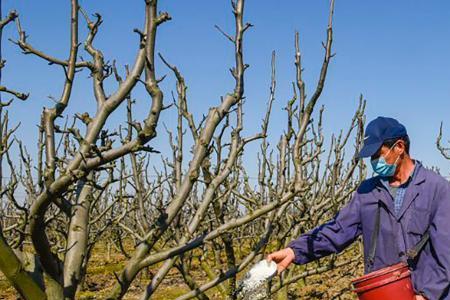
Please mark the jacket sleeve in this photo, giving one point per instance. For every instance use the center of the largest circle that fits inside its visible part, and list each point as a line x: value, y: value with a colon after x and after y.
x: 437, y: 283
x: 331, y: 237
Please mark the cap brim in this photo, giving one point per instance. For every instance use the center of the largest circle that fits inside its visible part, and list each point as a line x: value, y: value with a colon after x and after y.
x: 370, y: 149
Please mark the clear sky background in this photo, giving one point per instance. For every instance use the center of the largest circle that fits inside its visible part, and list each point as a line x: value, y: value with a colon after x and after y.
x: 395, y: 53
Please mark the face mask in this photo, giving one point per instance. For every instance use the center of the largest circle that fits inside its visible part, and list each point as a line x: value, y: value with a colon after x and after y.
x: 382, y: 168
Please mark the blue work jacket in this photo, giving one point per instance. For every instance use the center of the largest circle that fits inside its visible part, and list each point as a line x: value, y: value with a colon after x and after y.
x: 426, y: 206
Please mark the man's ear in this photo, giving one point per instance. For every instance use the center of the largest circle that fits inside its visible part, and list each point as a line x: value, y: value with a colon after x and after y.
x: 400, y: 147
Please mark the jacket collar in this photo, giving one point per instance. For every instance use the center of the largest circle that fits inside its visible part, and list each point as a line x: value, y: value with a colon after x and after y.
x: 380, y: 192
x: 414, y: 189
x: 419, y: 175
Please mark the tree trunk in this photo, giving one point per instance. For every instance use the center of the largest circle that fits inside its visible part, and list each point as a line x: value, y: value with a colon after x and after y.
x: 13, y: 269
x: 77, y: 240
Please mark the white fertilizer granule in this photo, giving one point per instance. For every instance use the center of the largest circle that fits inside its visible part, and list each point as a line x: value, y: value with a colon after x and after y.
x: 253, y: 286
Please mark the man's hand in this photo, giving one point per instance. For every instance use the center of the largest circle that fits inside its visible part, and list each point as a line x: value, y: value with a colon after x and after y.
x: 419, y: 297
x: 282, y: 258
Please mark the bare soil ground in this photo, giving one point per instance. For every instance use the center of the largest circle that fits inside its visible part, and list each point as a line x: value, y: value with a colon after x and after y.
x: 100, y: 279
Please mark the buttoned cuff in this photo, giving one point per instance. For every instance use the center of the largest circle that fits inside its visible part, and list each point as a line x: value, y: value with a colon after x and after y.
x: 422, y: 293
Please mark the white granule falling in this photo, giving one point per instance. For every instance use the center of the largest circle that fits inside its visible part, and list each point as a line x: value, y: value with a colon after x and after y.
x: 253, y: 286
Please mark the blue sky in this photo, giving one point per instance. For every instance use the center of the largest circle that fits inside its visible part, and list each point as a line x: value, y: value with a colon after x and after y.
x: 395, y: 53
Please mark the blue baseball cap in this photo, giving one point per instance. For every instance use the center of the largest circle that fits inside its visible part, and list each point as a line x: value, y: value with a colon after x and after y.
x: 378, y: 131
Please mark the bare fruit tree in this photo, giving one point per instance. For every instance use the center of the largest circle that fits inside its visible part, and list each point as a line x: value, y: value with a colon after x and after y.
x: 445, y: 151
x: 195, y: 212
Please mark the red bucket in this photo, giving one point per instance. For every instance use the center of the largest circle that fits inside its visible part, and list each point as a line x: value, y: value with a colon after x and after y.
x: 390, y: 283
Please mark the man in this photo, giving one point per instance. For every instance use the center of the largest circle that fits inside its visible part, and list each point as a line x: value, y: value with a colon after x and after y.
x: 413, y: 202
